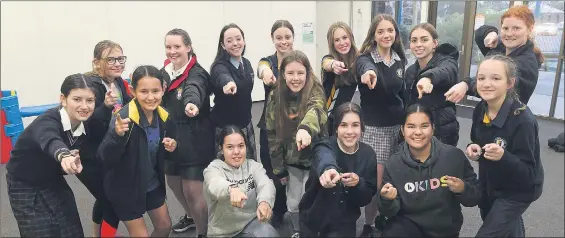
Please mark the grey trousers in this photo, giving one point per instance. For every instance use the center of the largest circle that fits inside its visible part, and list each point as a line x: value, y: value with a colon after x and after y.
x: 255, y: 228
x: 294, y: 191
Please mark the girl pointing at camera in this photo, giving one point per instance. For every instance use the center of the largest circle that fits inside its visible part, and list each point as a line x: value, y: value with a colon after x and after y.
x: 140, y: 137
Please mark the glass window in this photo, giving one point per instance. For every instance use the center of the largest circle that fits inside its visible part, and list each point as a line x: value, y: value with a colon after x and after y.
x: 449, y: 22
x: 547, y: 36
x: 387, y: 7
x: 410, y: 16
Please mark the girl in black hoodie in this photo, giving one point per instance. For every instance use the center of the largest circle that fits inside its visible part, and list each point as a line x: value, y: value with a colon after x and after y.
x: 342, y: 179
x: 430, y: 77
x: 425, y: 183
x: 133, y: 153
x: 42, y: 202
x: 187, y: 98
x: 515, y: 42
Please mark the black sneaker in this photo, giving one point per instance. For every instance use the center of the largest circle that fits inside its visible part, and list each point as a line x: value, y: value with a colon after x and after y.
x: 184, y: 224
x: 368, y: 231
x: 380, y: 222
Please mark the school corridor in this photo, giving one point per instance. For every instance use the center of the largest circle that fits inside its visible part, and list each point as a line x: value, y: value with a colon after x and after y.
x: 545, y: 217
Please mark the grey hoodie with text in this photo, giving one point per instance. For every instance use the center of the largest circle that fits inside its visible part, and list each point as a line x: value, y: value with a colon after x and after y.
x: 225, y: 220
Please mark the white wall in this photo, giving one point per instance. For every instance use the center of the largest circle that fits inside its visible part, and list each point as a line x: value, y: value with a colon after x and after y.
x: 43, y: 42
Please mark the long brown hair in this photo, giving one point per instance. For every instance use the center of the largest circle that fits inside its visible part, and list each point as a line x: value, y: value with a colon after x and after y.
x: 524, y: 13
x: 101, y: 51
x: 283, y: 122
x: 349, y: 59
x: 370, y: 44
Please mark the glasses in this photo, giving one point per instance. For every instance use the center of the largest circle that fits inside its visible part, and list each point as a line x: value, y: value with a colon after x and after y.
x: 113, y: 60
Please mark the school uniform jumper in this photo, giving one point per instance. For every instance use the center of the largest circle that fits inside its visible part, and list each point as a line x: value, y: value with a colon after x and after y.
x: 279, y: 209
x: 383, y: 106
x: 92, y: 166
x: 333, y: 212
x: 191, y: 84
x: 134, y: 180
x: 423, y: 206
x: 335, y: 95
x: 524, y: 57
x: 287, y: 161
x: 511, y: 184
x: 442, y: 69
x: 42, y: 202
x: 233, y: 109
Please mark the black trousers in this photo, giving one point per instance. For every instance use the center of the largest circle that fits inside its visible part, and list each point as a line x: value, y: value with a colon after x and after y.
x: 341, y: 230
x: 92, y: 176
x: 400, y: 226
x: 502, y: 218
x: 279, y: 209
x: 44, y: 212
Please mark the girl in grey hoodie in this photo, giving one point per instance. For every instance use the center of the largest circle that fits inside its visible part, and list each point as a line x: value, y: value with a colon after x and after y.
x: 239, y: 194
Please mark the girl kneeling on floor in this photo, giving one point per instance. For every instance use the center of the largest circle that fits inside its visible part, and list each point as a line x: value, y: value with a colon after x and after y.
x: 239, y: 193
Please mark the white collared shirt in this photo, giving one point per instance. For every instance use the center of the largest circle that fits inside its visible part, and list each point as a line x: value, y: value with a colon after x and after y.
x: 175, y: 73
x: 66, y: 121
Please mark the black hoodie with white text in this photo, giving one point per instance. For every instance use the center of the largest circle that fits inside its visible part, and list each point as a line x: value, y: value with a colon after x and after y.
x: 420, y: 194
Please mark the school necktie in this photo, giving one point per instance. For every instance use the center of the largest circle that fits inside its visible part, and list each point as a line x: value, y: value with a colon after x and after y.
x: 240, y: 69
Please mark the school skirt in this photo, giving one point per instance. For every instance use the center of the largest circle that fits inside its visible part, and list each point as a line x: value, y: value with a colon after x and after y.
x: 383, y: 140
x: 44, y: 212
x: 249, y: 133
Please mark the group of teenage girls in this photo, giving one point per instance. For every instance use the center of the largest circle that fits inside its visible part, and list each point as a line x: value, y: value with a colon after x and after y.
x: 322, y: 157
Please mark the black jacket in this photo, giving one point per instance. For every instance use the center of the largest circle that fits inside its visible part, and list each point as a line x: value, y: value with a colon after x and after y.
x: 231, y: 109
x: 102, y: 115
x: 273, y: 61
x: 527, y: 64
x: 519, y: 174
x: 195, y: 134
x: 124, y: 158
x: 442, y: 69
x: 322, y: 208
x: 420, y: 196
x: 34, y: 156
x: 383, y: 105
x: 342, y: 94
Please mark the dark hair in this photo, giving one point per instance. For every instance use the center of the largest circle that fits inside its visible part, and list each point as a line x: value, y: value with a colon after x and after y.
x: 185, y: 37
x: 282, y: 93
x: 427, y: 27
x: 370, y: 44
x: 221, y: 52
x: 345, y: 108
x: 279, y: 24
x: 226, y: 131
x: 76, y: 81
x: 414, y: 108
x: 144, y: 71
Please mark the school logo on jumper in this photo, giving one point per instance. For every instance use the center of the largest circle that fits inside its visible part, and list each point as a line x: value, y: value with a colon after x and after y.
x: 179, y: 93
x: 500, y: 142
x: 421, y: 186
x: 399, y: 73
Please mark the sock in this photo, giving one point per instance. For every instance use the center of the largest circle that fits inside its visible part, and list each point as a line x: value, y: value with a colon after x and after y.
x: 106, y: 230
x: 373, y: 225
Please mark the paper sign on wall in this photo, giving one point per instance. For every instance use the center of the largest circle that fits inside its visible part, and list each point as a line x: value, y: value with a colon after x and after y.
x: 307, y: 33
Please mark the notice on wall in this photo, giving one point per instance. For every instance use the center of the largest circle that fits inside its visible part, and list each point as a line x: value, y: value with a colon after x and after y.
x: 308, y: 33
